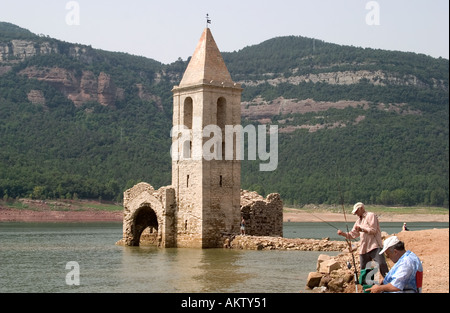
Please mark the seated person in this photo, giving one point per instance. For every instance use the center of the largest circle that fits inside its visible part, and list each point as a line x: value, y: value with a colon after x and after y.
x: 405, y: 275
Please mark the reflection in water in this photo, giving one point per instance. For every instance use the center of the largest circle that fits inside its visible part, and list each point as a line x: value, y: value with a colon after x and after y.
x: 220, y: 270
x: 151, y: 269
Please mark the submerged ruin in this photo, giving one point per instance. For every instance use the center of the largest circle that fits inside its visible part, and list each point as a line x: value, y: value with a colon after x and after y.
x: 204, y: 205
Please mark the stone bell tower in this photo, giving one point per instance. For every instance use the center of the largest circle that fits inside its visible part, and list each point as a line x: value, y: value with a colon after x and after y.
x: 206, y: 180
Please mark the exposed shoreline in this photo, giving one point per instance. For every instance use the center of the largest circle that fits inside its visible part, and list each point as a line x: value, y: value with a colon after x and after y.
x: 302, y: 216
x: 96, y: 215
x: 35, y: 216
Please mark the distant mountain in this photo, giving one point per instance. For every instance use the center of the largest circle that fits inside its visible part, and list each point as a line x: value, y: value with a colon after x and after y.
x: 83, y: 122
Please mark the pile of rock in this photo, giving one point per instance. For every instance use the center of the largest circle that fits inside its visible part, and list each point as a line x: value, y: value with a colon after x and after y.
x: 280, y: 243
x: 332, y: 275
x: 336, y: 274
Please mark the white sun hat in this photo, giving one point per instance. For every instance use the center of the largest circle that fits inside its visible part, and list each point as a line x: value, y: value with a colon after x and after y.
x: 391, y: 241
x: 356, y: 207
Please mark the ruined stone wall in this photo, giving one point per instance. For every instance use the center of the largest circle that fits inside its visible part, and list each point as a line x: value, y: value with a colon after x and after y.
x: 146, y: 207
x: 177, y: 223
x: 263, y: 217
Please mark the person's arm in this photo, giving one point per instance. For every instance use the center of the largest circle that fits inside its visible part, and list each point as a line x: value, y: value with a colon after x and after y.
x: 383, y: 288
x: 351, y: 234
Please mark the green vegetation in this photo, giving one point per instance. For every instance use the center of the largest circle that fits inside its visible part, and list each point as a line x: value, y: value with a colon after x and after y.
x: 10, y: 31
x: 295, y: 55
x: 59, y: 151
x: 68, y: 152
x: 386, y: 159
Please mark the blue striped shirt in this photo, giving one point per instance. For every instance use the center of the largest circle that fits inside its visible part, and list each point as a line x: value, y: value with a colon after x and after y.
x: 403, y: 274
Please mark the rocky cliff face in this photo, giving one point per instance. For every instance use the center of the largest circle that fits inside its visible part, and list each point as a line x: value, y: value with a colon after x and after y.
x: 378, y: 78
x: 263, y: 111
x: 80, y: 90
x: 258, y: 109
x: 18, y: 50
x: 36, y: 97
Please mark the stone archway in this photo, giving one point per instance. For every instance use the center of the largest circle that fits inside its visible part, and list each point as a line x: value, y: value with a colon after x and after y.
x: 145, y: 227
x: 147, y: 208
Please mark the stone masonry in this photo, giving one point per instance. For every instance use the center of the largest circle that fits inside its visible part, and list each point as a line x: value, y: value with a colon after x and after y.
x: 263, y: 217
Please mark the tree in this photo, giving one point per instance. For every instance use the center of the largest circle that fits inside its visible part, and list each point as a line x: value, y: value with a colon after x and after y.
x: 38, y: 193
x: 438, y: 197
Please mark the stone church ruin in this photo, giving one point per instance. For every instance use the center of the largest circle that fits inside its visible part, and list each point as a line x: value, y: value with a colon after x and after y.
x: 204, y: 204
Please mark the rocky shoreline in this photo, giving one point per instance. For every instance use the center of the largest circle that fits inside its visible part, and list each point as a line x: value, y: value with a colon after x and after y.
x: 332, y: 274
x: 280, y: 243
x: 67, y: 215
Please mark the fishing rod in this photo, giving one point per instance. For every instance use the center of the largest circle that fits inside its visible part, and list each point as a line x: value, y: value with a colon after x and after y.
x: 355, y: 271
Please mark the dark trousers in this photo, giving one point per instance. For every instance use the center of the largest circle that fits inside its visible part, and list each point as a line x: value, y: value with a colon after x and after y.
x: 374, y: 255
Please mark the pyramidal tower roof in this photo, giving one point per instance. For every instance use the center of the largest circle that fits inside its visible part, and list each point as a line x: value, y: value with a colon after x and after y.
x: 206, y: 64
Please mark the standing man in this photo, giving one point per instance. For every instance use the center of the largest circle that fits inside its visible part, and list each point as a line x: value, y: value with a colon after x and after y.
x: 407, y: 273
x: 368, y: 228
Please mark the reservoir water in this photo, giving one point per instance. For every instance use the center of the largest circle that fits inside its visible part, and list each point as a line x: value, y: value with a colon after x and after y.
x: 34, y: 256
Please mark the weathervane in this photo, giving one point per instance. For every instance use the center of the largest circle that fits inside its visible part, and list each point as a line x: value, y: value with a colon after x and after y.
x: 208, y: 21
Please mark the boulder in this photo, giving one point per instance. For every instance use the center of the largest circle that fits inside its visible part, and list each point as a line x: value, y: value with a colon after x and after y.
x: 320, y: 259
x: 336, y: 285
x: 328, y: 266
x: 324, y: 281
x: 348, y: 277
x: 313, y: 280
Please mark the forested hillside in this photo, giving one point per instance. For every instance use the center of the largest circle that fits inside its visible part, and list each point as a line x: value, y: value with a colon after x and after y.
x: 87, y: 123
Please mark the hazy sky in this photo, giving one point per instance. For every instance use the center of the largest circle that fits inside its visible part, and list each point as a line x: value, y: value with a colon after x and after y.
x: 169, y: 29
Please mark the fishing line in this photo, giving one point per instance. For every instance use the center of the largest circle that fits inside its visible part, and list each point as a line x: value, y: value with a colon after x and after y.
x: 324, y: 221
